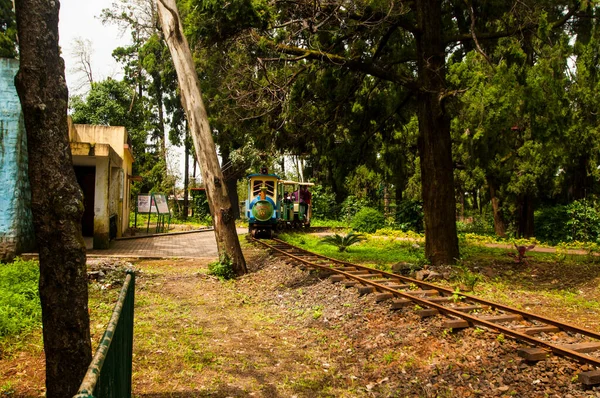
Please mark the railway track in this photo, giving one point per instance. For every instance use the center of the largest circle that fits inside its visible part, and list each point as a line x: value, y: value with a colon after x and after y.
x: 543, y: 335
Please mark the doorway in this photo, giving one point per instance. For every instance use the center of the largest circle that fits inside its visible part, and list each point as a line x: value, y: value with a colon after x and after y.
x: 86, y: 178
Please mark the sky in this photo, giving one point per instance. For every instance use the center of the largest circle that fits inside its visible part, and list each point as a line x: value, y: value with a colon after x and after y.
x: 79, y: 18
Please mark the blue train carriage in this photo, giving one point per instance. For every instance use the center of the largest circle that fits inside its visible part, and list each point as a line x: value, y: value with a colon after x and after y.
x: 296, y: 207
x: 262, y: 207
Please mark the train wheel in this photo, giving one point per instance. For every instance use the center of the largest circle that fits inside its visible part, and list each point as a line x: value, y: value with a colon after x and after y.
x: 269, y: 233
x: 253, y: 233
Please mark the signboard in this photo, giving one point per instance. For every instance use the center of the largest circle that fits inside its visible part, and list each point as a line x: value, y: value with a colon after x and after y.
x: 154, y: 204
x: 145, y: 205
x: 161, y: 204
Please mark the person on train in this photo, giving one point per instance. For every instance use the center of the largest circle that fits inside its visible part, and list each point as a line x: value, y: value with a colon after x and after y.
x: 305, y: 197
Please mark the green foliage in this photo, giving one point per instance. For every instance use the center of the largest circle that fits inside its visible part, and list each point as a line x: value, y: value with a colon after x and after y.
x: 8, y: 30
x: 352, y: 205
x: 343, y: 242
x: 467, y: 278
x: 584, y: 221
x: 577, y: 221
x: 409, y: 215
x: 478, y: 225
x: 376, y: 251
x: 20, y: 309
x: 315, y: 222
x: 324, y: 206
x: 222, y: 269
x: 218, y: 20
x: 200, y: 208
x: 368, y: 220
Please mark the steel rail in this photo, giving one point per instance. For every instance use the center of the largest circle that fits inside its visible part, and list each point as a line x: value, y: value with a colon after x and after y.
x: 524, y: 314
x: 447, y: 310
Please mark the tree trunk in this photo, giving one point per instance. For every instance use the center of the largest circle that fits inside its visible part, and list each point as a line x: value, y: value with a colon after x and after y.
x: 186, y: 180
x: 499, y: 225
x: 399, y: 191
x: 157, y: 80
x: 191, y: 99
x: 475, y: 194
x: 231, y: 179
x: 386, y: 200
x: 57, y: 200
x: 435, y: 146
x: 525, y: 222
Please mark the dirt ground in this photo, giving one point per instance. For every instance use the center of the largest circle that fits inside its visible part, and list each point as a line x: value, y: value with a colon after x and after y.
x: 284, y: 332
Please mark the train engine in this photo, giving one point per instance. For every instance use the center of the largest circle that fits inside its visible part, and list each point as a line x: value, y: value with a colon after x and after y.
x: 262, y: 208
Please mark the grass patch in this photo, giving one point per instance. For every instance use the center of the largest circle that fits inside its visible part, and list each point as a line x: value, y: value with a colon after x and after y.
x: 380, y: 252
x: 20, y: 310
x: 329, y: 223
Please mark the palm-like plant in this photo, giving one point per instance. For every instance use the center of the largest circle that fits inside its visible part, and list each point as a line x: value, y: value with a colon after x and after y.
x: 343, y: 242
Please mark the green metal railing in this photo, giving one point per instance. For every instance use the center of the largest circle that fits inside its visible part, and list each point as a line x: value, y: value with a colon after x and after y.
x: 109, y: 374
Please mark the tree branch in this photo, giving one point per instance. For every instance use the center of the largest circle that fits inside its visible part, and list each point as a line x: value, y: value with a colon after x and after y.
x: 498, y: 35
x: 353, y: 64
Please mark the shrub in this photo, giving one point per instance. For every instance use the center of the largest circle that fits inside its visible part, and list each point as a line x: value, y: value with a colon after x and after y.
x: 323, y: 203
x: 368, y: 220
x: 20, y: 308
x: 351, y: 206
x: 480, y: 224
x: 550, y: 224
x: 409, y: 215
x: 222, y: 269
x: 343, y: 242
x: 584, y: 221
x: 577, y: 221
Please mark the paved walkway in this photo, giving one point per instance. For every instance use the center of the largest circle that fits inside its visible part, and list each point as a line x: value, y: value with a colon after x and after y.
x: 200, y: 244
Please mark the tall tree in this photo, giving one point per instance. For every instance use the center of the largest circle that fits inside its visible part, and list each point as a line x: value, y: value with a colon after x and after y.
x: 216, y: 189
x: 57, y: 200
x: 435, y: 145
x: 81, y: 54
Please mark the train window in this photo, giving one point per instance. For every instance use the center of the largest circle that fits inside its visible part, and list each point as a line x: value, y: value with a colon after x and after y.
x: 270, y: 188
x: 257, y: 185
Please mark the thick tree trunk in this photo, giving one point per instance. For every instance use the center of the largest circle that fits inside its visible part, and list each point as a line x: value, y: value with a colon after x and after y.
x: 435, y: 146
x: 399, y: 189
x: 499, y: 225
x: 57, y: 201
x: 216, y: 189
x: 525, y: 222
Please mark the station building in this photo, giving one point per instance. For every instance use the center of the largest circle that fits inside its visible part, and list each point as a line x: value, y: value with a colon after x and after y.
x: 102, y: 159
x: 103, y: 162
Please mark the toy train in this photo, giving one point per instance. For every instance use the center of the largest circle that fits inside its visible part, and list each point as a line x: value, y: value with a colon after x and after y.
x: 276, y: 204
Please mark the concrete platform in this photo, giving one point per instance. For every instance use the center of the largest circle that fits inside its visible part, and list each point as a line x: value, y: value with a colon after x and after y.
x: 189, y: 244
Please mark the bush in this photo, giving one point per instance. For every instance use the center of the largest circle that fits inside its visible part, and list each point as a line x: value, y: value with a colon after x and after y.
x: 20, y: 308
x: 584, y: 221
x: 482, y: 225
x: 550, y: 224
x: 343, y: 242
x: 351, y: 206
x: 323, y: 203
x: 222, y: 269
x: 577, y: 221
x: 409, y: 215
x: 368, y: 220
